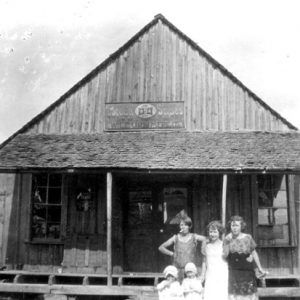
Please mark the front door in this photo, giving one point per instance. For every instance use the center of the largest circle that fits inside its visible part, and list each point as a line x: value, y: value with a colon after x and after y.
x: 152, y: 216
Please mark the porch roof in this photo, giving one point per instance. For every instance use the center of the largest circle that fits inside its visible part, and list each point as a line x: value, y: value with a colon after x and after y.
x: 270, y: 151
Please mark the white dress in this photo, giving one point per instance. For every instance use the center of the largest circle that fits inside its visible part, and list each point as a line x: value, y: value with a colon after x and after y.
x: 173, y: 291
x: 216, y: 277
x: 192, y: 289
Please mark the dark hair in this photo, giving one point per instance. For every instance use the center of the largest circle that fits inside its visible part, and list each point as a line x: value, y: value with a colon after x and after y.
x: 215, y: 225
x: 187, y: 221
x: 237, y: 219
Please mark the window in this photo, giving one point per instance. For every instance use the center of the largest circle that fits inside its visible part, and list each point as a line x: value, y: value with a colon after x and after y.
x: 46, y: 206
x: 273, y: 212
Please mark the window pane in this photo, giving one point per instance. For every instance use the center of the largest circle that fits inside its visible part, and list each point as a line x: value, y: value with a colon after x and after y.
x: 280, y: 216
x: 55, y: 180
x: 265, y: 198
x: 280, y: 199
x: 53, y: 231
x: 39, y: 221
x: 264, y: 216
x: 39, y: 212
x: 278, y: 182
x: 54, y: 214
x: 264, y: 182
x: 39, y: 195
x: 40, y: 179
x: 54, y: 195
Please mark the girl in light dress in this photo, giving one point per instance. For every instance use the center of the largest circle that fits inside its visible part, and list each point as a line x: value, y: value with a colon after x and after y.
x: 214, y: 266
x: 191, y: 284
x: 170, y: 288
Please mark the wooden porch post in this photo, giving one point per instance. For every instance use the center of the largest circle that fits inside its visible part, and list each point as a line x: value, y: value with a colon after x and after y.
x: 108, y: 241
x: 224, y: 191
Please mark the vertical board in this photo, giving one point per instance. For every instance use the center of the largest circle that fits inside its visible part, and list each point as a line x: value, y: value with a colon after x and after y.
x: 9, y: 193
x: 24, y: 223
x: 297, y: 212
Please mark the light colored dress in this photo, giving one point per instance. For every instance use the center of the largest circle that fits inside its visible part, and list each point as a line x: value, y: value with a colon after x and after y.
x: 192, y: 288
x: 216, y: 277
x: 171, y: 292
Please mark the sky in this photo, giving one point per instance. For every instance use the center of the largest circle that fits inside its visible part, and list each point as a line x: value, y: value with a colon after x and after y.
x: 47, y: 46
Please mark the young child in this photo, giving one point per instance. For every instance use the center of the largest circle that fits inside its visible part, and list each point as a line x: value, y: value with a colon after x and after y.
x: 192, y: 286
x: 170, y: 288
x: 214, y: 266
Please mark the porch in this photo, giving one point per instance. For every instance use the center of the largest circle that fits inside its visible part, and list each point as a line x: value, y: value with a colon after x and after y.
x: 130, y: 285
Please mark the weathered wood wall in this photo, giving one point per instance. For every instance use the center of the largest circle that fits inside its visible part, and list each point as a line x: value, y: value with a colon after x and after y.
x: 161, y: 66
x: 7, y: 188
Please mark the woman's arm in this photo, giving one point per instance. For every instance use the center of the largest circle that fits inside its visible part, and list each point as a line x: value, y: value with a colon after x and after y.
x: 163, y: 247
x: 257, y: 261
x: 203, y: 270
x: 200, y: 238
x: 226, y: 243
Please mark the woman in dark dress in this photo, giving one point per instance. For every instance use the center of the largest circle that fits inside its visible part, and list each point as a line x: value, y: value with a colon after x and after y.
x: 239, y: 248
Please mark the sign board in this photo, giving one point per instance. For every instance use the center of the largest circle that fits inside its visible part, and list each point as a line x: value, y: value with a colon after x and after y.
x: 135, y: 116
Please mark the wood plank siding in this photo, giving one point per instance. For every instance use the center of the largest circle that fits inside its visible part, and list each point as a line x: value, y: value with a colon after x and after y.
x: 161, y: 66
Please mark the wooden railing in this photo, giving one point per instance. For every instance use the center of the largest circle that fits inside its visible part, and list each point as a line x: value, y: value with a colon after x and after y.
x: 127, y: 284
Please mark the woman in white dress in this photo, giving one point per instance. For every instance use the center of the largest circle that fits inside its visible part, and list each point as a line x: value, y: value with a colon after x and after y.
x: 214, y: 266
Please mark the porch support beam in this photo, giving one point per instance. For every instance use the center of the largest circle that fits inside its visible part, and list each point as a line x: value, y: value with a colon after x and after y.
x: 224, y: 192
x: 109, y: 227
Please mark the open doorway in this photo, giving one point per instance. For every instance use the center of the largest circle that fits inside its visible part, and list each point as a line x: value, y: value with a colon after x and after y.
x: 152, y: 212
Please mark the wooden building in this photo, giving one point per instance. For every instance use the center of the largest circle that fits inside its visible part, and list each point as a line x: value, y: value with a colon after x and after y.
x: 92, y: 185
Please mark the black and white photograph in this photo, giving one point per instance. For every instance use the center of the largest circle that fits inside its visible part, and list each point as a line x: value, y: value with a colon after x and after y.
x: 149, y: 150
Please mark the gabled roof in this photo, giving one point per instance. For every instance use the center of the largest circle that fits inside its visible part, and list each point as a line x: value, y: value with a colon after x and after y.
x: 121, y: 50
x: 214, y: 151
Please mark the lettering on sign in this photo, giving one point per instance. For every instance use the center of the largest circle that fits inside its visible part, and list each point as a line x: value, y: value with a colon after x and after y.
x: 134, y: 116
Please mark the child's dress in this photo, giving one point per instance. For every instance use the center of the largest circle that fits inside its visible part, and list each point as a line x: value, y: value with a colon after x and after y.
x: 216, y: 277
x: 172, y: 292
x: 192, y: 288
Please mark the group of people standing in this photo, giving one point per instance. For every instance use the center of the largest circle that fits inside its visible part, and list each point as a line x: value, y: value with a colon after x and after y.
x: 229, y: 268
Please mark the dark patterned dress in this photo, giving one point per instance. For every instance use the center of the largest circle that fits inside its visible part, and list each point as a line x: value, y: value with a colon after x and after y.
x: 184, y: 252
x: 242, y: 280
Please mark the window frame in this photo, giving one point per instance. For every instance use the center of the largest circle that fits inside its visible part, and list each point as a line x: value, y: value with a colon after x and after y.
x: 46, y: 204
x: 292, y: 242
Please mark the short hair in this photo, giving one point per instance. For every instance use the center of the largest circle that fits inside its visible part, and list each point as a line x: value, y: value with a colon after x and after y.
x: 215, y: 225
x: 237, y: 218
x: 187, y: 221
